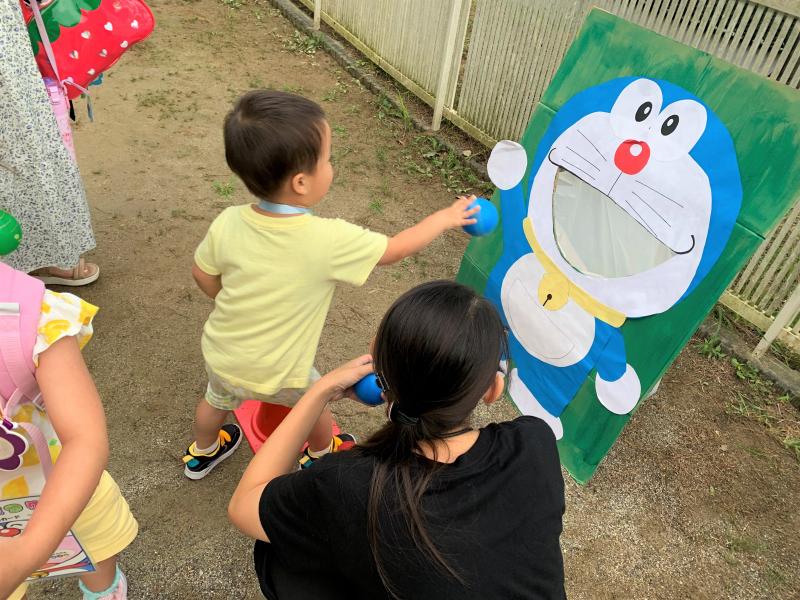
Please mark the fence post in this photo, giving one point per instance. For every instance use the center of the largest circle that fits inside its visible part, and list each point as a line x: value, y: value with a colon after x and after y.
x: 447, y: 64
x: 783, y: 318
x: 317, y: 13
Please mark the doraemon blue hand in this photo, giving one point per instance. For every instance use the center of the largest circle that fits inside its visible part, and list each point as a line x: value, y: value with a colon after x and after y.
x: 632, y: 197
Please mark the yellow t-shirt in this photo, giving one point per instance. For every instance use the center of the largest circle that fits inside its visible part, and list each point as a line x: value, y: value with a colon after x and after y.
x: 278, y: 278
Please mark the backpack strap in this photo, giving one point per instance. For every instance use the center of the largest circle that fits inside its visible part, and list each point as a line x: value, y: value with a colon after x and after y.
x: 15, y: 355
x: 13, y: 358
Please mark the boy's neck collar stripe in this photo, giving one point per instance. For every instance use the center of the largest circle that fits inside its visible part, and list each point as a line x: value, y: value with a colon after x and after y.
x: 282, y: 209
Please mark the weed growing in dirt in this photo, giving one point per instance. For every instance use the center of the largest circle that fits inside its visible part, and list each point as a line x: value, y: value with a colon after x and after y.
x: 292, y: 89
x: 376, y: 206
x: 793, y: 443
x: 159, y: 99
x: 303, y: 44
x: 711, y: 348
x: 388, y: 110
x: 744, y: 406
x: 438, y: 159
x: 751, y: 375
x: 339, y: 130
x: 224, y: 189
x: 335, y: 92
x: 232, y: 4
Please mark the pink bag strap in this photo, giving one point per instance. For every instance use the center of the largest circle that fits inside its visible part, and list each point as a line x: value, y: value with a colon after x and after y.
x: 13, y: 356
x: 48, y: 50
x: 14, y: 360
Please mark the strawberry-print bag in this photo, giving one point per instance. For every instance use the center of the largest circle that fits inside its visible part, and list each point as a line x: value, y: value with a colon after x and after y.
x: 74, y: 41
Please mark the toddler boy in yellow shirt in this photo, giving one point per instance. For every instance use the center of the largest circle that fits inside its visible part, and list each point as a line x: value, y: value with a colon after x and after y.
x: 272, y: 267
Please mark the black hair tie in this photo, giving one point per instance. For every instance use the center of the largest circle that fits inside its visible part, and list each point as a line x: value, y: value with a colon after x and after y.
x: 398, y: 416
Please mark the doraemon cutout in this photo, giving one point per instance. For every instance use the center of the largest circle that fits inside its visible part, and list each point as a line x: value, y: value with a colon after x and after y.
x: 633, y: 194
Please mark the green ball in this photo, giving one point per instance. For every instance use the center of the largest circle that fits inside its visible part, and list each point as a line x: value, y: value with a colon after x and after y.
x: 10, y: 233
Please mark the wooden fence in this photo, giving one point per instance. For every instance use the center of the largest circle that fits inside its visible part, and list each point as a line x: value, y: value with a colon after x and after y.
x: 484, y: 64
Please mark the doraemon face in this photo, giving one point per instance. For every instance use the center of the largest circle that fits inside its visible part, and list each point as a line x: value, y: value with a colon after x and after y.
x: 624, y: 182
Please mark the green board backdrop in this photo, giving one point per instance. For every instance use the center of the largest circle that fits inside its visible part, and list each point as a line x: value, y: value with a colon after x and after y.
x: 763, y: 119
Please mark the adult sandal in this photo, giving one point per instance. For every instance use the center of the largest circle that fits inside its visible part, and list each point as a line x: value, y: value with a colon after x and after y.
x: 84, y: 273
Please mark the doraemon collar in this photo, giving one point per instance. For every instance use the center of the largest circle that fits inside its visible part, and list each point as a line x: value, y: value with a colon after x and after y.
x: 555, y: 288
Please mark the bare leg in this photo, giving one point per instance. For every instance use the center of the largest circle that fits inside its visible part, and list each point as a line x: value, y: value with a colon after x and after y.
x: 320, y: 436
x: 207, y: 421
x: 103, y: 576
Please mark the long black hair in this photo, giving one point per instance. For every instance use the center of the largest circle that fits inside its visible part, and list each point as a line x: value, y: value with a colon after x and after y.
x: 437, y: 352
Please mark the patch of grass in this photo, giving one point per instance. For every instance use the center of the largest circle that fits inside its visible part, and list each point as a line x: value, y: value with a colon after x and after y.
x: 792, y: 443
x: 333, y: 94
x: 754, y: 452
x: 291, y: 89
x: 438, y: 159
x: 376, y: 206
x: 743, y: 406
x: 232, y: 4
x: 224, y: 189
x: 339, y: 130
x: 743, y: 544
x: 711, y: 348
x: 774, y: 576
x: 380, y: 154
x: 750, y: 374
x: 303, y: 44
x: 159, y: 99
x: 256, y: 83
x: 395, y: 110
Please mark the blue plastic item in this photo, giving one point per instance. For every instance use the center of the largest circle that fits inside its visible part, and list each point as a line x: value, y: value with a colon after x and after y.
x: 487, y: 218
x: 368, y: 391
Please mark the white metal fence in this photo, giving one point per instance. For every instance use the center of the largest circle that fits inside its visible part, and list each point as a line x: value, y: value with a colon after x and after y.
x: 513, y: 48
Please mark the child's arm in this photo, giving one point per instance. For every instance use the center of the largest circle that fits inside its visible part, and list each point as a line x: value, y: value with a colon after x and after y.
x: 210, y: 284
x: 414, y: 239
x: 75, y: 410
x: 278, y: 455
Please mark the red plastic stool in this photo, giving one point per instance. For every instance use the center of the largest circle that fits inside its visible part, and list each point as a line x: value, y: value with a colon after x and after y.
x: 259, y: 419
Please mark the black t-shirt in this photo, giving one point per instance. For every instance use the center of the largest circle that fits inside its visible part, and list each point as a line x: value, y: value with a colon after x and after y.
x: 495, y: 514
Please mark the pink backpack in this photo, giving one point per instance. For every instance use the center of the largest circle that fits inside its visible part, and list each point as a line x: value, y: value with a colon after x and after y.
x: 20, y: 307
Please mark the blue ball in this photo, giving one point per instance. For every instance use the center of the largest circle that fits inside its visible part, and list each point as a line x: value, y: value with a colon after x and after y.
x: 368, y: 391
x: 487, y: 217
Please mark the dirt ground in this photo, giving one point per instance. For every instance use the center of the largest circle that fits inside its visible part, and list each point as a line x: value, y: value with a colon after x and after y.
x: 698, y: 499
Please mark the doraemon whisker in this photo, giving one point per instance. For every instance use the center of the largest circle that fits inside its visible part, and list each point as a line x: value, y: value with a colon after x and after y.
x: 641, y: 219
x: 659, y: 193
x: 578, y: 168
x: 592, y: 144
x: 647, y: 204
x: 583, y: 158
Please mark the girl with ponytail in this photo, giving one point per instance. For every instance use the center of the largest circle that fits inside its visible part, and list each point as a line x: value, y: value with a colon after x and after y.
x: 427, y: 507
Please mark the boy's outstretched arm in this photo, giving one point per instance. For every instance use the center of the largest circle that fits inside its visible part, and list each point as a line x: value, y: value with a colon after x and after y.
x: 412, y: 240
x: 210, y: 284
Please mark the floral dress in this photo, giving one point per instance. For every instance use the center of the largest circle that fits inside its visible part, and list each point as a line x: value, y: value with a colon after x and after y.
x: 39, y: 182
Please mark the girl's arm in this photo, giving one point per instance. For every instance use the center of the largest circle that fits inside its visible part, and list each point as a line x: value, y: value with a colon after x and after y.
x: 74, y: 409
x: 210, y: 284
x: 278, y: 455
x: 412, y: 240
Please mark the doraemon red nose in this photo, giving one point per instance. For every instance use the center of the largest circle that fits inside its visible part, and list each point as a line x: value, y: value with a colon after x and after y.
x: 632, y: 156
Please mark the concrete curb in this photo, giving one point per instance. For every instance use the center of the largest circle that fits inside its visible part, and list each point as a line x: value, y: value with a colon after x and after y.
x: 335, y: 48
x: 786, y: 378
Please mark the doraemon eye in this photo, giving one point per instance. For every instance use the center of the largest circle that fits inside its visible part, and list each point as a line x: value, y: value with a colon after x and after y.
x: 635, y: 109
x: 677, y: 130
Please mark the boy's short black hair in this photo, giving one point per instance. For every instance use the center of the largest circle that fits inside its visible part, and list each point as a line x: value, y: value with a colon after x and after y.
x: 270, y: 136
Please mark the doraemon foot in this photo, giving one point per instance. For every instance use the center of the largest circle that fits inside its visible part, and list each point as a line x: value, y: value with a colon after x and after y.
x: 506, y: 165
x: 619, y: 396
x: 528, y: 404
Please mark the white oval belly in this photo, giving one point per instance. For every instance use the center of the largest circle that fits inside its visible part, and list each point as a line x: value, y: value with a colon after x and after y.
x: 558, y: 337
